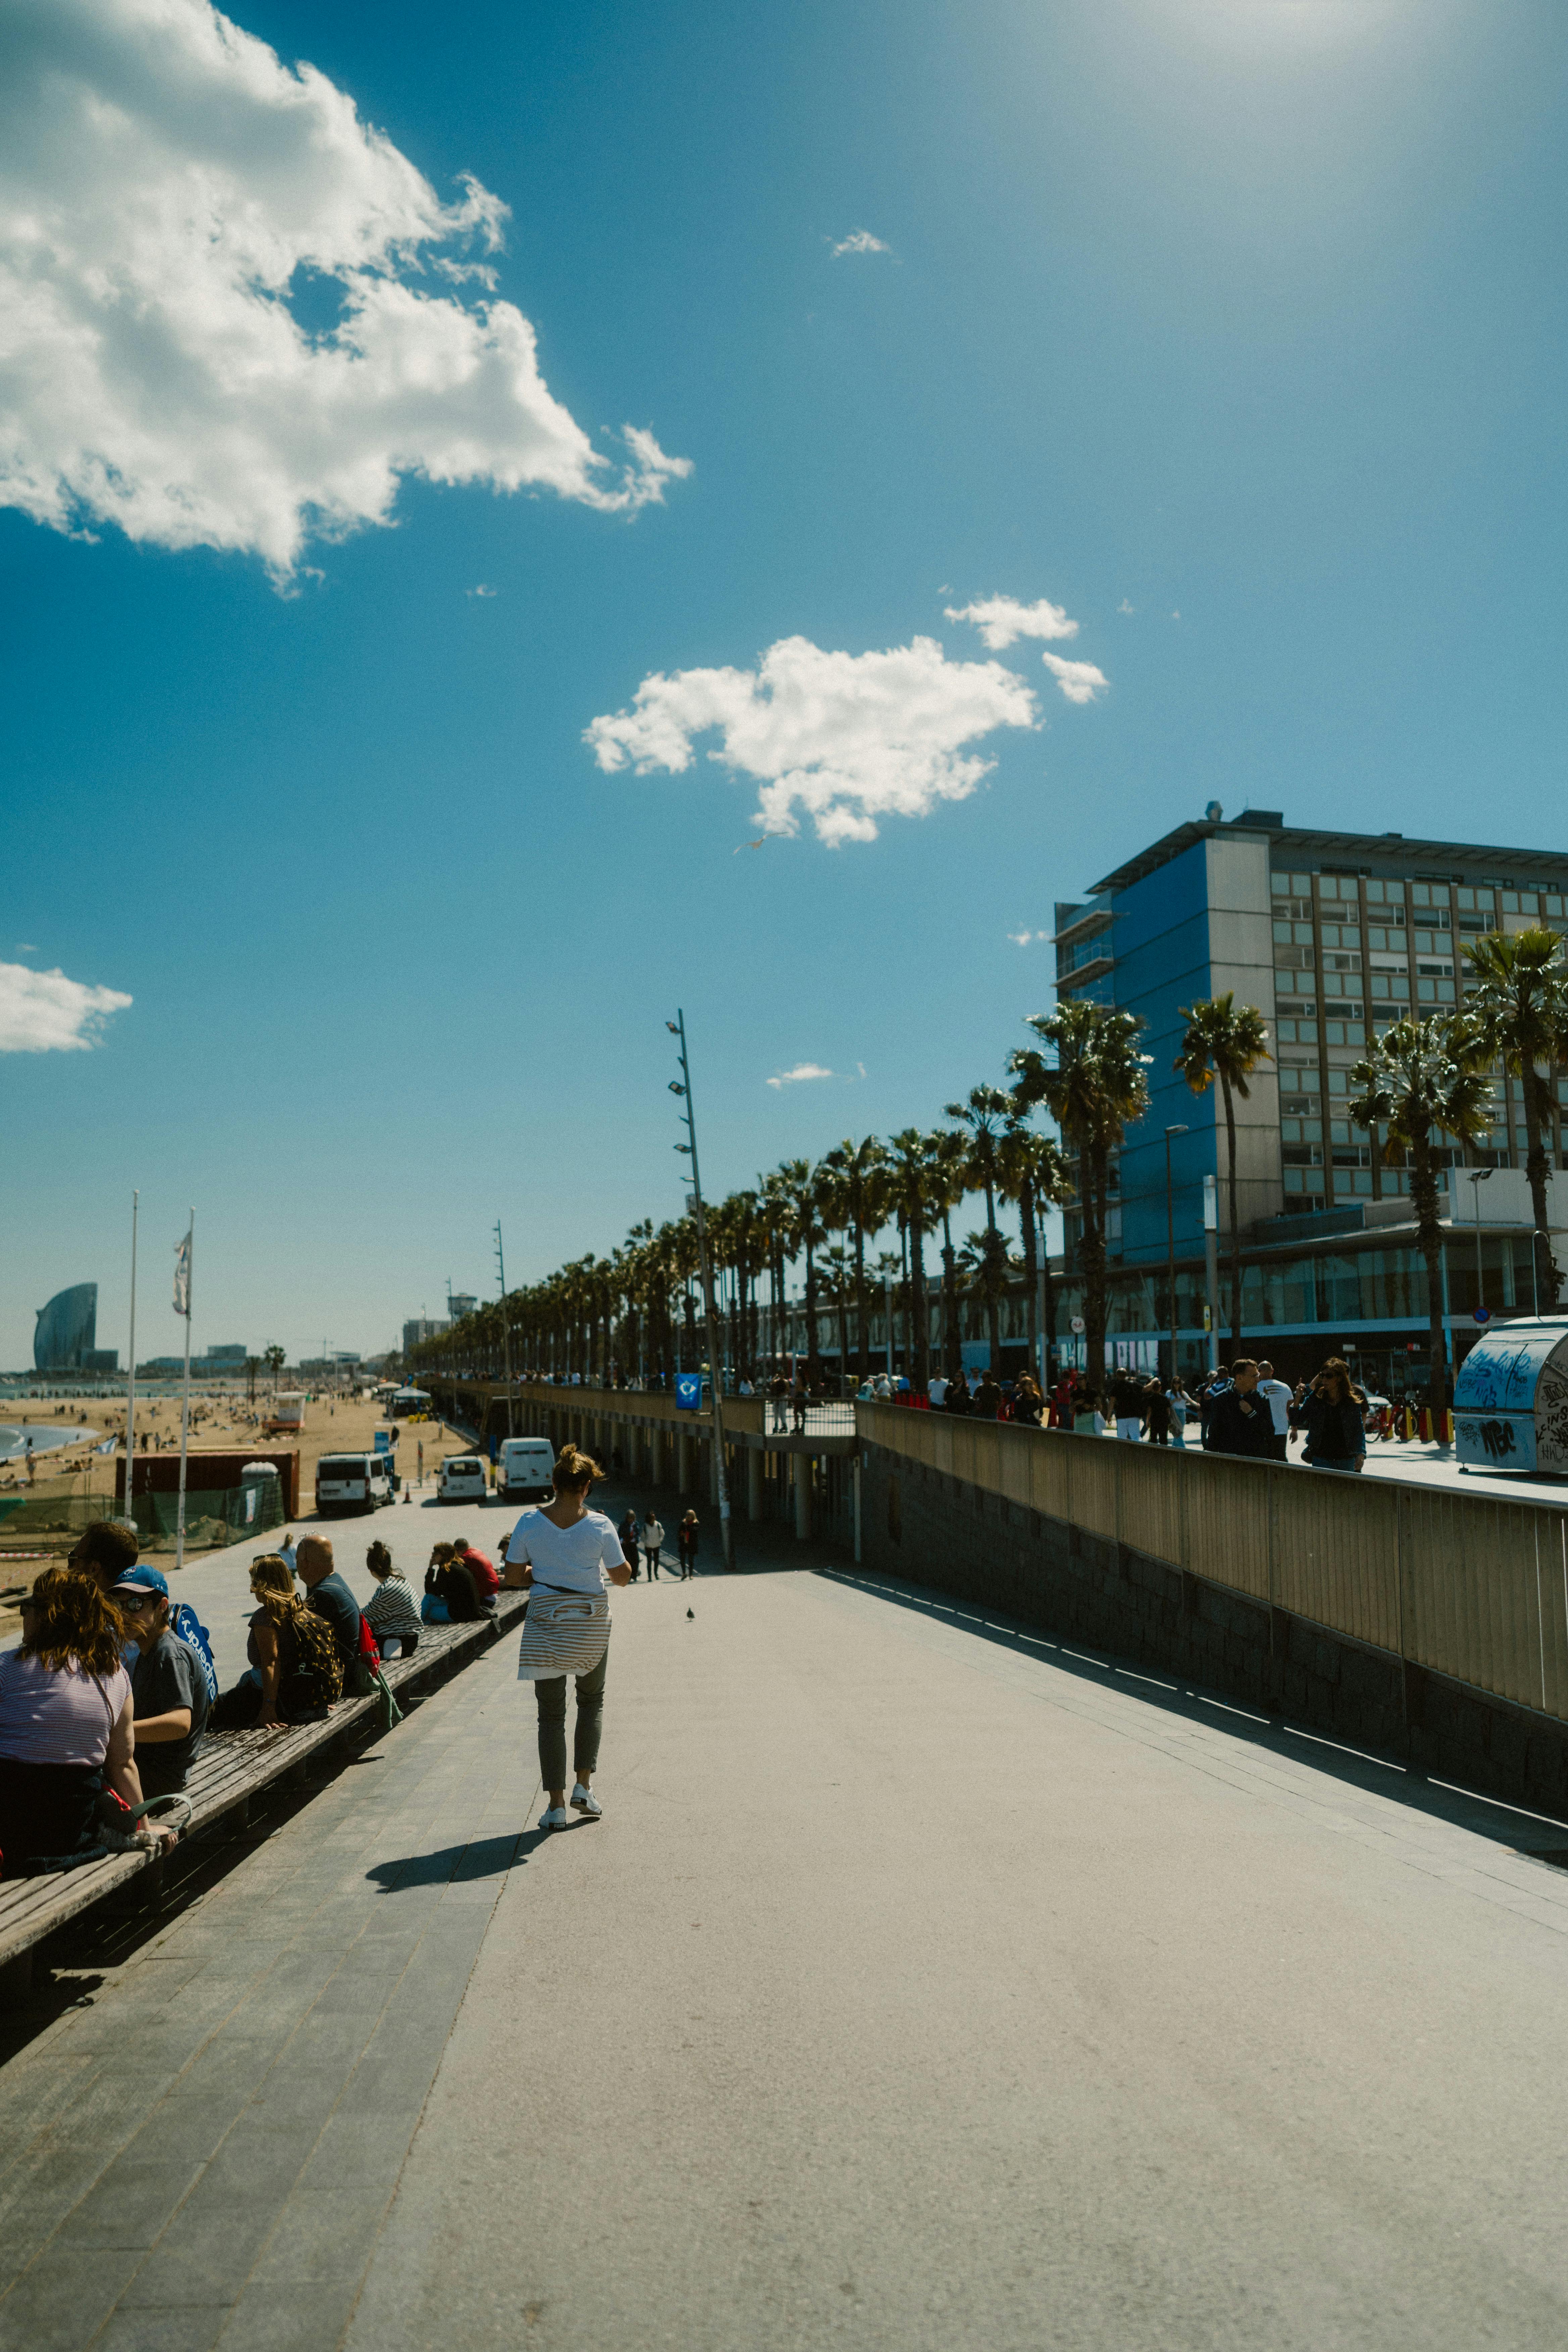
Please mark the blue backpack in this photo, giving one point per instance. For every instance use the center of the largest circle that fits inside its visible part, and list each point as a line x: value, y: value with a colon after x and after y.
x: 187, y: 1627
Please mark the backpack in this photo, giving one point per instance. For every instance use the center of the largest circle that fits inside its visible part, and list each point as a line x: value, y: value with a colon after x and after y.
x: 187, y: 1627
x: 319, y: 1664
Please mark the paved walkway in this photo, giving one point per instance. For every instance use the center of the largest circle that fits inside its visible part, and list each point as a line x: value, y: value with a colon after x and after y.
x: 926, y: 1985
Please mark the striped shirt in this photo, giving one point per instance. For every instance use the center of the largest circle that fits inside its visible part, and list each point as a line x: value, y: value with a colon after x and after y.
x: 391, y: 1609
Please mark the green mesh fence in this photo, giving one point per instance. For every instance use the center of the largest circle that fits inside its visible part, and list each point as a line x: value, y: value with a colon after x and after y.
x: 213, y: 1515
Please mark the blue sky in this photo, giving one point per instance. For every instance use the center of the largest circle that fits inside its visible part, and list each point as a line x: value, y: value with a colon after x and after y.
x: 1247, y: 314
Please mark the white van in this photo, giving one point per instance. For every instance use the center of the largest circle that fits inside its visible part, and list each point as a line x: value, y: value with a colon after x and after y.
x: 352, y: 1482
x: 527, y: 1468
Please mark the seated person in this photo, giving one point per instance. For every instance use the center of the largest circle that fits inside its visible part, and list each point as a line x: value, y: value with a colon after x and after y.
x: 294, y: 1672
x: 103, y: 1552
x: 328, y: 1595
x: 65, y: 1721
x: 391, y: 1614
x: 450, y: 1580
x: 486, y: 1583
x: 168, y: 1684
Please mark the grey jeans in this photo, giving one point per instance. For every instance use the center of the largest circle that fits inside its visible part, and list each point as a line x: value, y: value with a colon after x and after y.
x: 552, y: 1724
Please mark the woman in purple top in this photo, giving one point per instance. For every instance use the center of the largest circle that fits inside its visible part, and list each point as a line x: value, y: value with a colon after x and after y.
x: 66, y: 1721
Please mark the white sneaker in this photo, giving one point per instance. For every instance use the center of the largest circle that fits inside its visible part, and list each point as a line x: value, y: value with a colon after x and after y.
x: 585, y: 1802
x: 553, y: 1817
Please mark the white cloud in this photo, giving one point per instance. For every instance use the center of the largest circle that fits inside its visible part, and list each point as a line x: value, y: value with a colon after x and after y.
x: 1001, y: 619
x: 171, y: 194
x: 801, y: 1070
x: 859, y: 240
x: 1125, y: 607
x: 1080, y: 681
x: 844, y: 737
x: 1022, y: 938
x: 480, y: 591
x: 43, y: 1012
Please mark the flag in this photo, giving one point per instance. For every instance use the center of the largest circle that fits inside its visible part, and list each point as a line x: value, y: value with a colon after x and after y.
x: 183, y: 1276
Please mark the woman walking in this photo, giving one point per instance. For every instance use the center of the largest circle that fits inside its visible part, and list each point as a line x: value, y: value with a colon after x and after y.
x: 1336, y: 1433
x: 652, y: 1543
x: 567, y: 1555
x: 686, y: 1537
x: 390, y: 1613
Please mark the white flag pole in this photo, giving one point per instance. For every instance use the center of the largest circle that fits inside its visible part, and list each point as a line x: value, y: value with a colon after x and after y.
x: 131, y: 1375
x: 190, y: 1252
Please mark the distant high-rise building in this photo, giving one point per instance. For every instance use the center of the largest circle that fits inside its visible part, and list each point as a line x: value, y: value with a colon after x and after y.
x: 461, y: 1303
x: 67, y: 1330
x: 419, y: 1329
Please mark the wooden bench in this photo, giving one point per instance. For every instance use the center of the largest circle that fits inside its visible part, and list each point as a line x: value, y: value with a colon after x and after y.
x: 231, y: 1768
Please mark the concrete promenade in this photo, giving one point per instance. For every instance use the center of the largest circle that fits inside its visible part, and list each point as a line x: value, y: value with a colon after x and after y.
x: 925, y: 1985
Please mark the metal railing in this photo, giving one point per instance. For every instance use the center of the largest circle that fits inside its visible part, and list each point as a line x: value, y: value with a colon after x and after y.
x: 1473, y: 1586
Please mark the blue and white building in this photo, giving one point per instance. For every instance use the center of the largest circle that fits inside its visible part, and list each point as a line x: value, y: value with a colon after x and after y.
x: 1332, y: 936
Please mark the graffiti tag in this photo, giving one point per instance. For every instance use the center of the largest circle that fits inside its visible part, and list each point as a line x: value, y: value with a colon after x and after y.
x: 1497, y: 1436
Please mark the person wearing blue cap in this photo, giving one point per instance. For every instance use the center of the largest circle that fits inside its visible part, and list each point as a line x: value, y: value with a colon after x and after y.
x: 168, y: 1682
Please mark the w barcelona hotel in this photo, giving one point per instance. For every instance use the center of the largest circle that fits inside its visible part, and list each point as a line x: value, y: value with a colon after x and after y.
x: 1333, y: 936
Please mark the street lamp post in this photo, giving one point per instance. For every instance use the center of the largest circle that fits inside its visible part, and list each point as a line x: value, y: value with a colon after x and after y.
x: 1478, y: 1176
x: 1170, y: 1245
x: 682, y: 1088
x: 505, y: 1326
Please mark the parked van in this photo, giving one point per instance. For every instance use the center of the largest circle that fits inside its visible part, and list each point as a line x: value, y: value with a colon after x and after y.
x: 527, y: 1468
x: 352, y: 1482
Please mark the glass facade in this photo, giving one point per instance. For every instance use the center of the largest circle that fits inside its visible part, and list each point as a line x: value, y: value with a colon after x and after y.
x: 67, y: 1330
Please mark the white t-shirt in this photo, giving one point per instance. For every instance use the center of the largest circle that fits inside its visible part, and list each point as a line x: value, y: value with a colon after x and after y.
x: 1279, y: 1394
x: 936, y: 1391
x: 568, y: 1559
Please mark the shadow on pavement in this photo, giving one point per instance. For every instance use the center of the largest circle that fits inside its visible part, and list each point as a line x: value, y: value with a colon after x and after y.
x: 1536, y: 1835
x: 457, y: 1866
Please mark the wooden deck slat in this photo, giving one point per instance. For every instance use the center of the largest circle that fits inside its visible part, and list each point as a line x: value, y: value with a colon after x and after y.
x: 232, y: 1767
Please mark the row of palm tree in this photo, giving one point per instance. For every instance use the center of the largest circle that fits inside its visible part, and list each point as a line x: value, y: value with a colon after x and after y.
x: 1085, y: 1069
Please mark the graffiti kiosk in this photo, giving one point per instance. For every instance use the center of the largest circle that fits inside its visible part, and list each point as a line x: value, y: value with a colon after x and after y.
x: 1510, y: 1400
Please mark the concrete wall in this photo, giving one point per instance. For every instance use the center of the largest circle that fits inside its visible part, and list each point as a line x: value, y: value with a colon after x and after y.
x: 937, y: 1530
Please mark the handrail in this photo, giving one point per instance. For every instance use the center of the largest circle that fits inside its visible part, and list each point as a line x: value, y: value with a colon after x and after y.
x: 1473, y: 1586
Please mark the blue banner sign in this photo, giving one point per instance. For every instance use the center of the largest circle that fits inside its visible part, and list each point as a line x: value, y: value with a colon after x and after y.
x: 688, y: 1392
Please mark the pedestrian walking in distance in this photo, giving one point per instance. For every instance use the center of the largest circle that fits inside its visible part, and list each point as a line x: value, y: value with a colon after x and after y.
x: 652, y: 1541
x: 1279, y: 1399
x: 685, y: 1536
x: 1336, y: 1433
x: 566, y: 1557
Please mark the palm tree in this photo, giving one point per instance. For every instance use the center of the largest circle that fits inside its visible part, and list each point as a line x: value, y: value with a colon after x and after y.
x: 1035, y: 1172
x: 861, y: 1173
x: 985, y: 1111
x: 1519, y: 993
x: 948, y: 1151
x: 982, y: 1262
x: 274, y: 1359
x: 252, y: 1366
x: 806, y: 1190
x: 1228, y: 1041
x: 837, y: 1281
x: 1090, y: 1079
x: 1424, y: 1076
x: 914, y: 1200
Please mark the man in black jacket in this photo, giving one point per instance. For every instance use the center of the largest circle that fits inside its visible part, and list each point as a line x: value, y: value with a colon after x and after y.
x: 1239, y: 1421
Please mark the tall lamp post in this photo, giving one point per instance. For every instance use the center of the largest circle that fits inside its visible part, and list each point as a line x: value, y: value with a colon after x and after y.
x: 1478, y: 1176
x: 505, y: 1325
x: 1171, y: 1247
x: 682, y: 1088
